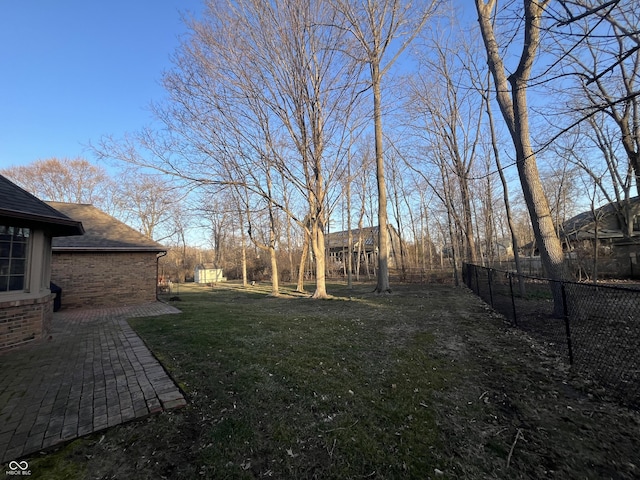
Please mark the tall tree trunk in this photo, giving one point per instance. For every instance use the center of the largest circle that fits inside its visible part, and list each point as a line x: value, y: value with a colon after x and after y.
x: 396, y: 207
x: 289, y: 242
x: 349, y: 262
x: 275, y: 283
x: 544, y: 231
x: 429, y: 244
x: 319, y: 213
x: 303, y: 260
x: 243, y: 249
x: 382, y: 285
x: 426, y: 241
x: 358, y: 259
x: 515, y: 112
x: 505, y: 195
x: 415, y: 251
x: 453, y: 239
x: 317, y: 244
x: 361, y: 226
x: 471, y: 253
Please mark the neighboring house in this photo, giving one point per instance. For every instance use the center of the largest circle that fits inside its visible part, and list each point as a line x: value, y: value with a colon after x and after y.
x: 27, y: 226
x: 613, y: 222
x: 111, y: 264
x: 365, y: 241
x: 616, y: 228
x: 207, y: 273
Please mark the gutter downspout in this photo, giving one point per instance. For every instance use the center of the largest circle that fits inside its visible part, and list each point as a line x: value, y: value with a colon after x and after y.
x: 158, y: 257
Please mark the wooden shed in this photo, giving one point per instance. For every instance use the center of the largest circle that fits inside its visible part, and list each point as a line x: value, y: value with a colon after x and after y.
x: 207, y: 273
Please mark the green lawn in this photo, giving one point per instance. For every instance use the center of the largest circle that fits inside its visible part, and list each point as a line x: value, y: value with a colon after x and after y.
x: 423, y: 383
x: 300, y: 388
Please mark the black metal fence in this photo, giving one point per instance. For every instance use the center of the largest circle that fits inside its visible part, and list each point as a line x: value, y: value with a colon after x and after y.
x: 167, y: 291
x: 597, y: 329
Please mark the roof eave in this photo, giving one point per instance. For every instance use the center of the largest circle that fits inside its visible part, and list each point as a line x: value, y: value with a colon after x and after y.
x: 57, y: 227
x: 108, y: 249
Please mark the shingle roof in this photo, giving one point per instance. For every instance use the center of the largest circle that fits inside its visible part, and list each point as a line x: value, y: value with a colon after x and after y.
x: 582, y: 226
x: 206, y: 266
x: 341, y: 239
x: 18, y: 204
x: 102, y: 232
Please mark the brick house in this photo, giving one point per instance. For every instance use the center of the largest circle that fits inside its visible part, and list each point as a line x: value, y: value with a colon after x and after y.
x: 27, y: 226
x: 111, y: 264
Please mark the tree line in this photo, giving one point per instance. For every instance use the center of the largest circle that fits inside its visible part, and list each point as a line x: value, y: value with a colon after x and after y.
x: 473, y: 139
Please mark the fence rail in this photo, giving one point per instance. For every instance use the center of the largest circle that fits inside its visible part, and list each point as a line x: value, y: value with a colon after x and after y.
x: 598, y: 331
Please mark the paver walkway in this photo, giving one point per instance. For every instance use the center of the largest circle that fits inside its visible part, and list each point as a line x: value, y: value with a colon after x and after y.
x: 93, y: 373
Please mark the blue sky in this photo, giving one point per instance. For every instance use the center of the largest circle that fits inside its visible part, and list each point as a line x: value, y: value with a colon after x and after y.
x: 74, y: 70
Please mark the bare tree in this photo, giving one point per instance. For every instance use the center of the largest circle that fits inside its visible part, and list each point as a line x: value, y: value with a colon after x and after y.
x: 559, y: 179
x: 243, y: 248
x: 364, y: 191
x: 511, y: 95
x: 66, y: 180
x: 306, y: 241
x: 268, y: 242
x: 383, y: 30
x: 307, y: 89
x: 259, y: 81
x: 594, y: 147
x: 450, y: 115
x: 179, y: 252
x: 432, y: 167
x: 398, y: 191
x: 218, y: 209
x: 606, y: 63
x: 505, y: 188
x: 349, y: 259
x: 149, y: 202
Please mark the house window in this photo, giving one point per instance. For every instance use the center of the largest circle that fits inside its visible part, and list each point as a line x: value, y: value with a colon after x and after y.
x: 14, y: 242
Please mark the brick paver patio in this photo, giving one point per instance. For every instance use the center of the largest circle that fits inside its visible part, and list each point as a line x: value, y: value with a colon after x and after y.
x: 93, y: 373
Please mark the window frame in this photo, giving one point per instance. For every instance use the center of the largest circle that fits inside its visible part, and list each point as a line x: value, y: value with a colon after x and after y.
x: 14, y: 239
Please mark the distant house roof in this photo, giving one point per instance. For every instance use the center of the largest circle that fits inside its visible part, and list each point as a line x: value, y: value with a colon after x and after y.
x: 102, y: 232
x: 369, y: 235
x: 582, y: 226
x: 341, y: 239
x: 16, y: 204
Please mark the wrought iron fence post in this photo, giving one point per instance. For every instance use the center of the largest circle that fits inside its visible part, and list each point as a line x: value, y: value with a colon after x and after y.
x: 566, y: 322
x: 513, y: 300
x: 475, y: 268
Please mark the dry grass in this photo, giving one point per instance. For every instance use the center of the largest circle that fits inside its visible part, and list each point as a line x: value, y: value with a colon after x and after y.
x: 423, y: 383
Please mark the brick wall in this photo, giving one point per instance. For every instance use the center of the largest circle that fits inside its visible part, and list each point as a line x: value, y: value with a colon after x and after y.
x: 90, y: 279
x: 24, y: 321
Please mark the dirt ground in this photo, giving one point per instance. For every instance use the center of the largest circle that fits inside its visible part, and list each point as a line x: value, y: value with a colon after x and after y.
x: 519, y: 392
